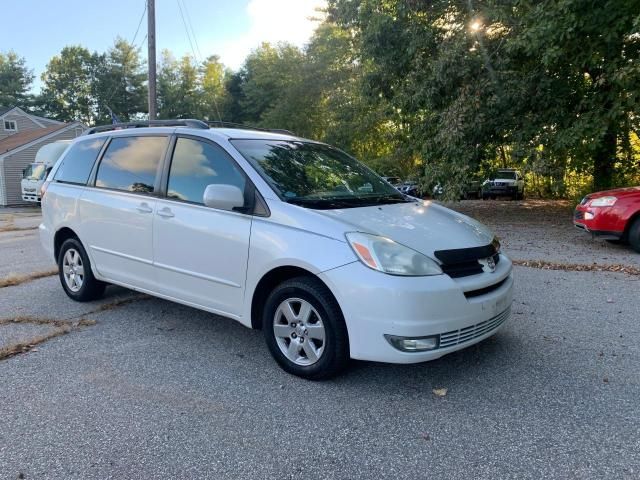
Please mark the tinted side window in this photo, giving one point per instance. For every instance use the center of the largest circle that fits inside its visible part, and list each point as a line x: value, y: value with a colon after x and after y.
x: 131, y: 163
x: 78, y: 162
x: 198, y: 164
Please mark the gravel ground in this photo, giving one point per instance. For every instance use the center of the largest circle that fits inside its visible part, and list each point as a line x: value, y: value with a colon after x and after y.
x: 22, y: 253
x: 22, y: 332
x: 543, y: 230
x: 159, y: 390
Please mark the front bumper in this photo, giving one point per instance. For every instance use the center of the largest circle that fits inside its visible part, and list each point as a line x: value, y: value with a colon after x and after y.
x: 375, y: 304
x: 600, y: 222
x: 499, y: 190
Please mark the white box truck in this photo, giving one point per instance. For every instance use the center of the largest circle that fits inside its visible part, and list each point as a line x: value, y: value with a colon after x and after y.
x: 35, y: 174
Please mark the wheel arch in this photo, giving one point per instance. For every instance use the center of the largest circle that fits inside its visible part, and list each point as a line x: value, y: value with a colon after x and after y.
x: 635, y: 217
x: 269, y: 281
x: 59, y: 238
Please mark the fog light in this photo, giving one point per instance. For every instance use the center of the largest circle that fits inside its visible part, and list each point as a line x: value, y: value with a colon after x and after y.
x: 419, y: 344
x: 588, y: 216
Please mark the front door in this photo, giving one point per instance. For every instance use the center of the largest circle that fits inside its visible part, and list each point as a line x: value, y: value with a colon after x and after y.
x: 200, y: 253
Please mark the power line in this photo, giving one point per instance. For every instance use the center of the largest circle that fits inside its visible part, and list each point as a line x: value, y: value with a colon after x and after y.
x: 135, y: 35
x: 197, y: 57
x: 186, y: 30
x: 193, y: 32
x: 139, y: 23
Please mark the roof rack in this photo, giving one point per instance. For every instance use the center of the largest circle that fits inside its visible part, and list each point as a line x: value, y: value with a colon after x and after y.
x: 241, y: 126
x: 188, y: 122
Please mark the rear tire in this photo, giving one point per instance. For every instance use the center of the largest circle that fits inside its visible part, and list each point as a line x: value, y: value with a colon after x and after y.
x: 634, y: 235
x: 311, y: 340
x: 76, y: 276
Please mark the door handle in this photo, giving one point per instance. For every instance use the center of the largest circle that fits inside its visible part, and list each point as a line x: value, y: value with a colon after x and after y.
x: 144, y: 208
x: 166, y: 213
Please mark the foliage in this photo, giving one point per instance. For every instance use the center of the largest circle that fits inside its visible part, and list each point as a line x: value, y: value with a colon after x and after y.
x: 15, y: 80
x: 69, y: 81
x: 441, y: 91
x: 545, y: 85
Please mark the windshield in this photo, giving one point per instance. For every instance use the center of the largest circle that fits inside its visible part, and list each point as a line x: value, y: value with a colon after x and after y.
x: 316, y: 175
x: 506, y: 174
x: 35, y: 171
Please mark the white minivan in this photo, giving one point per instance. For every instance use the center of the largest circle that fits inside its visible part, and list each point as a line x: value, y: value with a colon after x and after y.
x: 283, y: 234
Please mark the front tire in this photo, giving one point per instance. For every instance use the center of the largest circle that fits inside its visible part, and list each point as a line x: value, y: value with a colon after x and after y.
x: 74, y: 270
x: 305, y: 330
x: 634, y: 235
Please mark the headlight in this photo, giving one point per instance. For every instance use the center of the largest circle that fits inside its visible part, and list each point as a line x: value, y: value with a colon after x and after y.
x: 603, y: 202
x: 496, y: 244
x: 385, y: 255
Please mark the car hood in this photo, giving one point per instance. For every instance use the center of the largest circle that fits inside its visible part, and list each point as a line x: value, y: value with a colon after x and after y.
x: 424, y: 226
x: 618, y: 192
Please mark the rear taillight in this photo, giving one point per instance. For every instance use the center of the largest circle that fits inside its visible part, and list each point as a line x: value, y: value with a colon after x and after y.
x: 43, y: 189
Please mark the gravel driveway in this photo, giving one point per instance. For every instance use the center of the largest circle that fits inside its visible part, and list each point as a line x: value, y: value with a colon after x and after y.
x: 158, y: 390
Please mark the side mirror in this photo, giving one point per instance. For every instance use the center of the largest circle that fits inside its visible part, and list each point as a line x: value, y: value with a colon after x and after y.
x: 223, y: 197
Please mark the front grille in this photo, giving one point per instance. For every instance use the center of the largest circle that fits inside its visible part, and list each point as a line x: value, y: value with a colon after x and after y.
x: 578, y: 215
x: 485, y: 290
x: 463, y: 335
x: 463, y: 262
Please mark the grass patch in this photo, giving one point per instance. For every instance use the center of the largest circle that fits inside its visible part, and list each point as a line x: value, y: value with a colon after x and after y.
x: 13, y: 228
x: 576, y: 267
x: 16, y: 279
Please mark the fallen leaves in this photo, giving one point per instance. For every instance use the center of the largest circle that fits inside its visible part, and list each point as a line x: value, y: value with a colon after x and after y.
x: 440, y: 392
x: 576, y: 267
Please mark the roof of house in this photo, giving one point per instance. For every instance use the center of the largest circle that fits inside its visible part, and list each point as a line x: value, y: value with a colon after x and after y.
x: 35, y: 118
x: 18, y: 139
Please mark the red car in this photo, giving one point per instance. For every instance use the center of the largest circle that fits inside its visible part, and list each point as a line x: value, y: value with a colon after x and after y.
x: 612, y: 215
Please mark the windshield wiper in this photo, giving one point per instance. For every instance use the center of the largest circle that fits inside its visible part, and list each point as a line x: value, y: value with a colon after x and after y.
x: 322, y: 203
x: 386, y: 199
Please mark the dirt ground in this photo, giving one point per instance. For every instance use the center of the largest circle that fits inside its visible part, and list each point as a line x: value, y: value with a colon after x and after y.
x: 543, y: 230
x: 131, y: 386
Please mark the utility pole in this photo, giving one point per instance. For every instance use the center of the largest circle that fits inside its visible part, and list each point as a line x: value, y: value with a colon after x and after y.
x: 151, y: 43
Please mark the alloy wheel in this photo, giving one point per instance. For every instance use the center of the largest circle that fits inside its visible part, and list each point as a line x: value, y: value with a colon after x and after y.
x: 299, y: 331
x: 73, y: 270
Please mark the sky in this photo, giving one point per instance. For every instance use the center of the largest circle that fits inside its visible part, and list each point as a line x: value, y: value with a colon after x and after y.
x: 39, y: 29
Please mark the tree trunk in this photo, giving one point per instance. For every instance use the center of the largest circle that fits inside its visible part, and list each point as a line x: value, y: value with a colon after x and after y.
x: 604, y: 160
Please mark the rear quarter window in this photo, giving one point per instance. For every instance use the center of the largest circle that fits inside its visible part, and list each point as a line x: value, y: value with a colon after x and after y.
x: 77, y: 164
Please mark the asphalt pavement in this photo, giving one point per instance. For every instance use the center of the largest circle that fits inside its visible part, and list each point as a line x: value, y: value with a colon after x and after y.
x: 159, y: 390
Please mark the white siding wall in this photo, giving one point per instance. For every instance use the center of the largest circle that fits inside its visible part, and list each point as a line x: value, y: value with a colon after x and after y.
x: 23, y: 121
x: 11, y: 167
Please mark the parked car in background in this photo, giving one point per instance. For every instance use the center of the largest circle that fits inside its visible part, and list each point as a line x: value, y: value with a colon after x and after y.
x: 411, y: 188
x: 613, y: 215
x: 507, y: 182
x: 34, y: 175
x: 471, y: 190
x: 395, y: 181
x: 282, y: 234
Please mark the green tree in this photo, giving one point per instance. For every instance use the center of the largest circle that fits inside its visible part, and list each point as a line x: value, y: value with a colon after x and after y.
x: 550, y: 84
x: 120, y: 83
x: 213, y: 95
x: 269, y: 72
x: 178, y: 87
x: 68, y: 84
x: 15, y: 80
